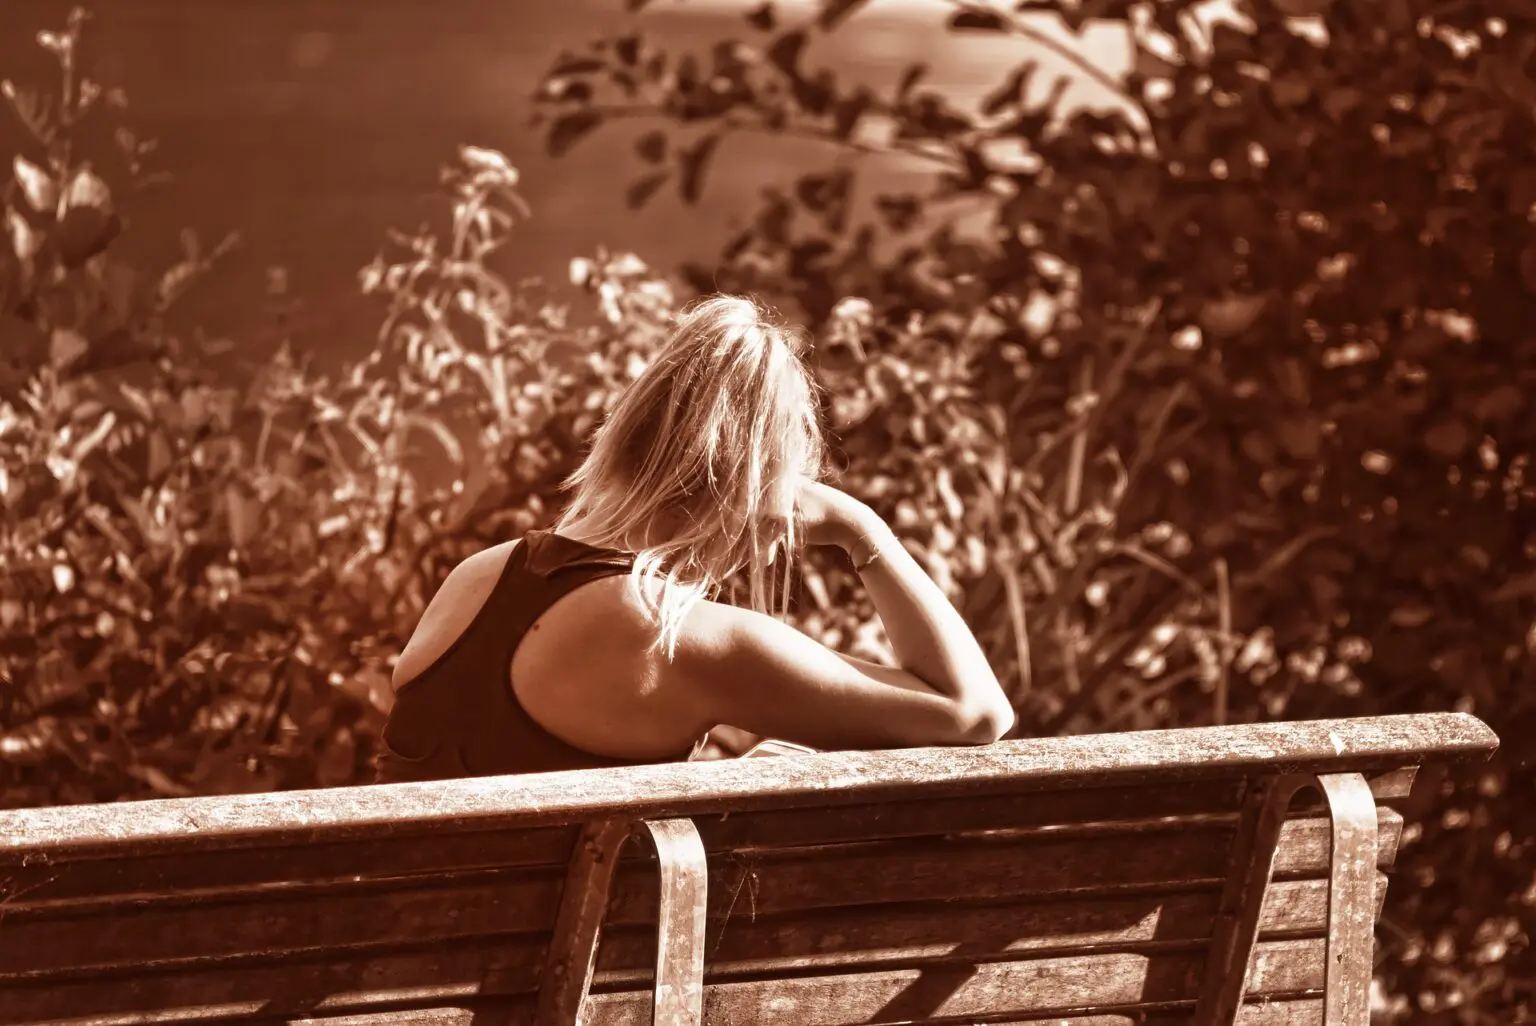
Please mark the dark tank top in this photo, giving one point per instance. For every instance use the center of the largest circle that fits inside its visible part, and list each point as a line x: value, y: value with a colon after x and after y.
x: 460, y: 716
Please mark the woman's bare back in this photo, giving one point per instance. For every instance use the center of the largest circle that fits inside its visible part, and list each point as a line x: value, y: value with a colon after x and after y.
x: 582, y: 671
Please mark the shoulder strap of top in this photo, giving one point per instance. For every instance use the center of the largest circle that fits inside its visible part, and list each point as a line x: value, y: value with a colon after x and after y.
x: 549, y: 554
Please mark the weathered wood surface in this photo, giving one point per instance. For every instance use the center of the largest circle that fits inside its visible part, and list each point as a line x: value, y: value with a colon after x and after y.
x: 910, y: 932
x: 267, y: 922
x: 446, y: 975
x: 1351, y: 913
x: 693, y: 789
x: 572, y: 951
x: 1243, y: 896
x: 1300, y: 1012
x: 439, y: 851
x: 1031, y: 987
x: 1054, y: 809
x: 678, y: 980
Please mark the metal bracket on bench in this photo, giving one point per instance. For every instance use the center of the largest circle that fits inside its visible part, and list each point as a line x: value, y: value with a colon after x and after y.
x: 679, y: 995
x: 679, y: 992
x: 1351, y: 899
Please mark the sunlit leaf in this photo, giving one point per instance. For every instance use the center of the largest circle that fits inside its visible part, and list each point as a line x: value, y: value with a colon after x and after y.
x: 37, y: 185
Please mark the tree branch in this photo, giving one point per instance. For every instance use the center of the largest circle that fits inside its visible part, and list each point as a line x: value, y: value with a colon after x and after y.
x: 1017, y: 27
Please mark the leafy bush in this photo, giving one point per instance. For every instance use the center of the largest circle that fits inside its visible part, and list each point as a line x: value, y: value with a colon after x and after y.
x: 1209, y: 404
x: 203, y: 584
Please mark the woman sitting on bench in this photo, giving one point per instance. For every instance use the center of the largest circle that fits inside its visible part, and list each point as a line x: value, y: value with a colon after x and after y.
x: 600, y: 641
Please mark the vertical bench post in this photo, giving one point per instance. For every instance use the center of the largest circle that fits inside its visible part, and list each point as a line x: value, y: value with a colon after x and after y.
x: 578, y: 925
x: 679, y: 991
x: 1351, y: 899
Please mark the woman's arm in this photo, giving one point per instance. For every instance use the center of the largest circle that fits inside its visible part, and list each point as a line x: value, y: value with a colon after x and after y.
x: 747, y: 669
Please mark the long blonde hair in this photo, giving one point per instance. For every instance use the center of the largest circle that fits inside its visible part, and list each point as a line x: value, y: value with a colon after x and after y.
x: 687, y: 468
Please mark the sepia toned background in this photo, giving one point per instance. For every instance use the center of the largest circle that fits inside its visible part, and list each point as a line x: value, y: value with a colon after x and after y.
x: 1205, y: 390
x: 311, y: 127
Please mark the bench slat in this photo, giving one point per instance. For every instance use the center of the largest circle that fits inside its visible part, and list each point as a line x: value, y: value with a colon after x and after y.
x: 448, y: 975
x: 1034, y: 987
x: 36, y: 938
x: 1370, y: 744
x: 1302, y: 1012
x: 904, y: 932
x: 778, y: 828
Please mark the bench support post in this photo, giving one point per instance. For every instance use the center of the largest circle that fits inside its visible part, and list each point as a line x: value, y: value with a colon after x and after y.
x: 578, y: 925
x: 679, y: 993
x: 1351, y: 899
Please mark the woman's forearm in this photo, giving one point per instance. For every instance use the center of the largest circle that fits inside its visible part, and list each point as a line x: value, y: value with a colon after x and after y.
x: 928, y: 636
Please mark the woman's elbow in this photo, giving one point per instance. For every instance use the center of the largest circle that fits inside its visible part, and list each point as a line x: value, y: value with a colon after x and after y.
x: 989, y: 724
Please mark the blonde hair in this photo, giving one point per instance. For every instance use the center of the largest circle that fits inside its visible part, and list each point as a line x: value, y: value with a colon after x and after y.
x: 686, y: 467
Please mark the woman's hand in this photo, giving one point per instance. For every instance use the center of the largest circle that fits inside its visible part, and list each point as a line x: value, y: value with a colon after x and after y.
x: 831, y: 516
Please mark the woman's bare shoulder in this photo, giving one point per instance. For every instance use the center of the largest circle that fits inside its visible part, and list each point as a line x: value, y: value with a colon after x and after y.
x: 449, y: 612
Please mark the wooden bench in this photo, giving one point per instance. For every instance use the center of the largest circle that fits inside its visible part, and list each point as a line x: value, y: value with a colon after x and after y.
x: 1214, y: 875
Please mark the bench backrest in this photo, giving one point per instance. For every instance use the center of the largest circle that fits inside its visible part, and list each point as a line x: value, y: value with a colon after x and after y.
x: 1067, y: 878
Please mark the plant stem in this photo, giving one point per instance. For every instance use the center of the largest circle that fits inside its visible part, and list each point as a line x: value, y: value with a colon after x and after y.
x: 1224, y: 619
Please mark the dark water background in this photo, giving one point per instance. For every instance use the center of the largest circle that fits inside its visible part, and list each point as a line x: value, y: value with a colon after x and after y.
x: 312, y: 126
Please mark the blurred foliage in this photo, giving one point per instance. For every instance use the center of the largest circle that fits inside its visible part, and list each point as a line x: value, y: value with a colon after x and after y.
x: 1208, y: 405
x: 1210, y: 402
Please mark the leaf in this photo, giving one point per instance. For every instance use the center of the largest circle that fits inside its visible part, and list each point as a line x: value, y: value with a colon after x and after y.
x: 242, y: 514
x: 1528, y: 267
x: 1231, y: 315
x: 479, y: 158
x: 693, y: 163
x: 900, y: 213
x: 833, y: 12
x: 628, y: 48
x: 158, y: 458
x: 158, y: 781
x: 652, y: 147
x: 642, y: 189
x: 909, y: 79
x: 25, y: 242
x: 1150, y: 64
x: 89, y: 224
x: 786, y: 50
x: 1416, y: 615
x: 1340, y: 100
x: 1300, y: 436
x: 86, y: 189
x: 65, y: 347
x: 1502, y: 402
x: 41, y: 191
x: 1448, y: 439
x: 576, y: 64
x: 847, y: 112
x: 1013, y: 89
x: 978, y: 21
x: 29, y: 744
x: 568, y: 129
x: 762, y: 17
